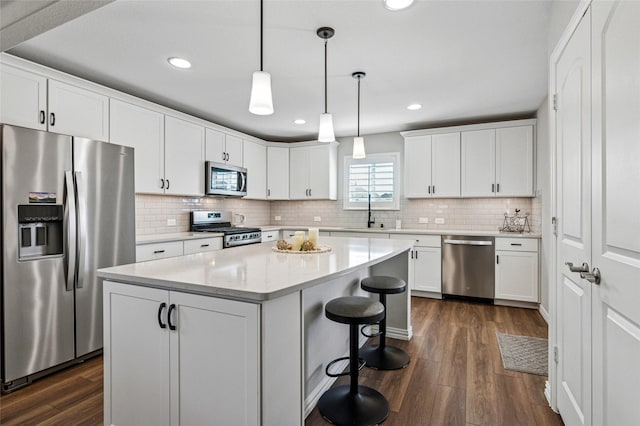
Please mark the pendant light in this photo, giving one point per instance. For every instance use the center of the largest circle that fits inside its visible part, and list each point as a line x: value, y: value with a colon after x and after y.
x: 261, y: 102
x: 358, y: 141
x: 325, y: 131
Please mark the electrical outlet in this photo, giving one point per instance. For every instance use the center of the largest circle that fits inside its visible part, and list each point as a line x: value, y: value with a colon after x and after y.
x: 277, y: 218
x: 423, y: 220
x: 317, y: 218
x: 440, y: 220
x: 171, y: 222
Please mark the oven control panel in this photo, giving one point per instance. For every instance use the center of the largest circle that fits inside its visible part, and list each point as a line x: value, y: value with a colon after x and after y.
x: 242, y: 239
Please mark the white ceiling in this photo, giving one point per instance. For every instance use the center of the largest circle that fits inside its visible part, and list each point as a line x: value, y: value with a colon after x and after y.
x: 465, y: 61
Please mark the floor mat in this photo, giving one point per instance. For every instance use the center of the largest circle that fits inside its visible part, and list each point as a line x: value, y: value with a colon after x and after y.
x: 522, y: 353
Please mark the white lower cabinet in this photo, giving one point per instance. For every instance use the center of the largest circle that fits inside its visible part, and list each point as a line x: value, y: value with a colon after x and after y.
x: 179, y: 359
x: 155, y: 251
x: 517, y: 269
x: 202, y: 245
x: 425, y: 268
x: 270, y: 236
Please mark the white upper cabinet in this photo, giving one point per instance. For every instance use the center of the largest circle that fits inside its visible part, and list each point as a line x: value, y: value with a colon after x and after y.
x: 30, y: 100
x: 498, y: 162
x: 223, y: 148
x: 23, y: 98
x: 184, y: 157
x: 143, y: 130
x: 478, y: 163
x: 313, y: 172
x: 78, y: 112
x: 432, y: 165
x: 255, y: 161
x: 277, y: 173
x: 514, y: 161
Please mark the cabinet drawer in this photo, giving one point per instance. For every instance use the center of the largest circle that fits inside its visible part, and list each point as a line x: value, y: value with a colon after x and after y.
x: 270, y: 236
x: 517, y: 244
x: 419, y: 240
x: 158, y: 251
x: 202, y: 245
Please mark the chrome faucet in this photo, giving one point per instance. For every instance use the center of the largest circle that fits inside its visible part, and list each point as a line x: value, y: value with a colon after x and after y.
x: 370, y: 221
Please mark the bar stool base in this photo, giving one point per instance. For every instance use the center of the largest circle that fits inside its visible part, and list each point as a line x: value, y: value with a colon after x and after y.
x: 387, y: 358
x: 340, y: 407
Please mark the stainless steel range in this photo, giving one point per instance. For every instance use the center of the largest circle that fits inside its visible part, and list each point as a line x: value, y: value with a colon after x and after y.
x: 220, y: 221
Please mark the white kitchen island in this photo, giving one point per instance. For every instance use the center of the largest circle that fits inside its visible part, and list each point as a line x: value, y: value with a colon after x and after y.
x: 236, y: 336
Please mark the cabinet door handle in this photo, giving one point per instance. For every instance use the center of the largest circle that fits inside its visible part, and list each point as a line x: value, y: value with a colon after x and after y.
x: 42, y: 116
x: 429, y: 189
x: 497, y: 259
x: 498, y: 187
x: 223, y: 156
x: 416, y: 254
x: 172, y: 308
x: 158, y: 251
x: 493, y: 187
x: 167, y: 183
x: 516, y: 244
x: 309, y: 192
x: 268, y: 192
x: 52, y: 119
x: 162, y: 184
x: 160, y: 309
x: 204, y: 245
x: 434, y: 189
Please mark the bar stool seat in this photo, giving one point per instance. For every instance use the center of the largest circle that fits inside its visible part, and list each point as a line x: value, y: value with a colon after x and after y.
x: 353, y: 404
x: 383, y: 357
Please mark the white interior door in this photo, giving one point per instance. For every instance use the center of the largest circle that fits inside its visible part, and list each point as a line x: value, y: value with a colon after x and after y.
x: 573, y: 294
x: 616, y: 221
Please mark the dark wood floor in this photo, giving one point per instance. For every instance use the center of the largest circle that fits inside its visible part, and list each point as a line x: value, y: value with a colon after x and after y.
x: 455, y: 376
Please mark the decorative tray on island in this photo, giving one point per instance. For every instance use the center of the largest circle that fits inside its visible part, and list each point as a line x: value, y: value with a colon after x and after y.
x: 318, y: 249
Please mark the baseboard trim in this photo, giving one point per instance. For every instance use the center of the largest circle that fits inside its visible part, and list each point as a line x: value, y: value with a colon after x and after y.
x: 544, y: 313
x: 427, y: 294
x: 516, y: 303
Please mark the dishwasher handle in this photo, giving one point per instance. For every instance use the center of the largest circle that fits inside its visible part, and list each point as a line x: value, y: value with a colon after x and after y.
x: 469, y: 242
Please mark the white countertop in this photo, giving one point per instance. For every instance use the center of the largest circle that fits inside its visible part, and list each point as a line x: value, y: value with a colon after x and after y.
x: 176, y: 236
x: 255, y: 272
x: 403, y: 231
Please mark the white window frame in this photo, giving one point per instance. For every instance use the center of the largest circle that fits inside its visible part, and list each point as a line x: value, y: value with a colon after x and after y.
x: 391, y: 157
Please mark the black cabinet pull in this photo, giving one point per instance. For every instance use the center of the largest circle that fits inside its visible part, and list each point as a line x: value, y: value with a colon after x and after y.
x: 498, y: 187
x: 167, y: 183
x: 52, y: 120
x: 516, y: 244
x: 268, y: 192
x: 497, y: 259
x: 158, y: 251
x: 204, y: 245
x: 160, y: 309
x: 172, y: 307
x: 416, y: 254
x: 42, y: 116
x: 429, y: 189
x: 411, y: 251
x: 162, y: 184
x: 493, y: 187
x: 434, y: 189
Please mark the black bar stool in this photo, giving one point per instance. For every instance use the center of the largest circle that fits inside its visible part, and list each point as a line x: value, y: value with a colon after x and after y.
x: 353, y: 404
x: 383, y: 357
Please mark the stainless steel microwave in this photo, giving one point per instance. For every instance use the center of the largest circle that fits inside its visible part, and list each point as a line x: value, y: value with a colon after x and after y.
x: 223, y: 179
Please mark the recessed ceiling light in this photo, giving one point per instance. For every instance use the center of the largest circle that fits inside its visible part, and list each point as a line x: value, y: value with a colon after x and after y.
x: 397, y: 4
x: 179, y: 63
x: 414, y: 107
x: 299, y: 121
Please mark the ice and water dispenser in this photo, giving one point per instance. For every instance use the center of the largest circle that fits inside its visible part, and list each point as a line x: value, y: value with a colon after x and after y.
x: 40, y: 230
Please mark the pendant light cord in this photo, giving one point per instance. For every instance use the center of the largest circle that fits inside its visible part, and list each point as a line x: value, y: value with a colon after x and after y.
x: 325, y: 76
x: 359, y: 106
x: 261, y: 36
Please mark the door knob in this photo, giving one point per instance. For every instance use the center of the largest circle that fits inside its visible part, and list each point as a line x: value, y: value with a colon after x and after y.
x: 593, y: 277
x: 580, y: 269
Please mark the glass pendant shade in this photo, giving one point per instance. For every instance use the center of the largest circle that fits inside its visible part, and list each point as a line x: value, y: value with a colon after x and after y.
x: 261, y: 102
x: 325, y: 132
x: 358, y: 148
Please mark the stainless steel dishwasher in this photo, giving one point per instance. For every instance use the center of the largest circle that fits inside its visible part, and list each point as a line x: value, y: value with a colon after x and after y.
x: 468, y: 266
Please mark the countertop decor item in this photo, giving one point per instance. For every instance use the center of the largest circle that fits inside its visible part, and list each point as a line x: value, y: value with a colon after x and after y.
x: 318, y: 249
x: 516, y: 223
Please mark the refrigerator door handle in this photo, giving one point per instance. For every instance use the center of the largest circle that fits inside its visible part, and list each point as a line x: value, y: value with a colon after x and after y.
x: 81, y: 200
x: 70, y: 232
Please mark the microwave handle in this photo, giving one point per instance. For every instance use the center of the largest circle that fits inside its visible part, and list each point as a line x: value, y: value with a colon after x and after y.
x: 243, y: 187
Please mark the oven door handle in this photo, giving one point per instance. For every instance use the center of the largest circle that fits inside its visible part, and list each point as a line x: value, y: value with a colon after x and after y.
x: 469, y: 242
x: 243, y: 187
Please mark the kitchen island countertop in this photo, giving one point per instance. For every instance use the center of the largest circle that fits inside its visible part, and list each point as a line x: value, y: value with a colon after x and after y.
x: 256, y: 272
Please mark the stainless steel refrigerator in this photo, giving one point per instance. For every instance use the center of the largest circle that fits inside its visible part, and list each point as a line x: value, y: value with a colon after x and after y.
x: 68, y: 208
